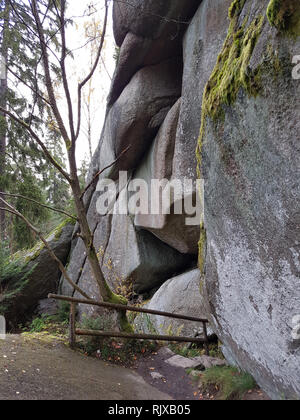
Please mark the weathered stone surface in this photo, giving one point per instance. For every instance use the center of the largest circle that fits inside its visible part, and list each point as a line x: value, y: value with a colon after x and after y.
x: 134, y: 256
x: 142, y: 47
x: 180, y: 295
x: 138, y: 114
x: 131, y: 59
x: 182, y: 362
x: 202, y: 43
x: 39, y: 278
x: 47, y: 307
x: 200, y: 363
x: 152, y: 19
x: 158, y: 164
x: 252, y: 196
x: 127, y: 256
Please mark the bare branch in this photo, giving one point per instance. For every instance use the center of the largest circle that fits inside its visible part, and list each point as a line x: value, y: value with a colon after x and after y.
x: 27, y: 85
x: 63, y: 69
x: 104, y: 169
x: 38, y: 203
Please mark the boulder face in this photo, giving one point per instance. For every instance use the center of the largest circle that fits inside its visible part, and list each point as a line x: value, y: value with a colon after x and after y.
x: 250, y: 162
x: 147, y: 33
x: 151, y: 19
x: 39, y: 276
x: 136, y: 116
x: 179, y: 295
x: 227, y: 76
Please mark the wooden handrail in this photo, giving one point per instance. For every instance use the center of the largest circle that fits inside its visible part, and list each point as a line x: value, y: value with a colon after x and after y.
x: 93, y: 333
x: 126, y: 308
x: 73, y: 331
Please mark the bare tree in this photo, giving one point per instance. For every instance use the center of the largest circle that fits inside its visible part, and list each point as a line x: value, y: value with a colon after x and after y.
x: 70, y: 131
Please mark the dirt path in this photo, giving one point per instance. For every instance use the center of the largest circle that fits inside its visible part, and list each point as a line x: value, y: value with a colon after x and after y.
x: 177, y: 383
x: 34, y: 369
x: 172, y: 380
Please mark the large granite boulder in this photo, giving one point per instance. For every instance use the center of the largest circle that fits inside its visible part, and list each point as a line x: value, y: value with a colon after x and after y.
x: 250, y: 161
x: 152, y: 19
x: 202, y: 42
x: 39, y: 276
x: 179, y: 295
x: 158, y: 165
x: 147, y: 38
x: 248, y: 154
x: 128, y: 256
x: 138, y: 114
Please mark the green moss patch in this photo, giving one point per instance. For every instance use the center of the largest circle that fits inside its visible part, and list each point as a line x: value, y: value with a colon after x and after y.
x: 285, y: 16
x: 235, y: 8
x: 55, y: 234
x: 58, y: 230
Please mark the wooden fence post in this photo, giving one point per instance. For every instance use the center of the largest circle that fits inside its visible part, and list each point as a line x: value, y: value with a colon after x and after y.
x: 72, y: 326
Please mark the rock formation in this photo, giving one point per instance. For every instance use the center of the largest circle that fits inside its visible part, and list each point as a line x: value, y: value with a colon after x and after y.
x: 190, y: 67
x: 38, y: 277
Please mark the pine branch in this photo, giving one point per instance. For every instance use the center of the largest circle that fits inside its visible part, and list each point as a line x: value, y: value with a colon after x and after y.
x: 39, y: 142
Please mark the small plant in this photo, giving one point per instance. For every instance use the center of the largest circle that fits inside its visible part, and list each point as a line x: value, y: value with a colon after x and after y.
x: 149, y: 324
x: 38, y: 325
x: 122, y: 352
x: 183, y: 350
x: 91, y: 345
x: 229, y: 381
x: 63, y: 312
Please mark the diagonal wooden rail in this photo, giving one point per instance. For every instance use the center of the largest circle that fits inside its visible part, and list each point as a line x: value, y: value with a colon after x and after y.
x: 114, y: 306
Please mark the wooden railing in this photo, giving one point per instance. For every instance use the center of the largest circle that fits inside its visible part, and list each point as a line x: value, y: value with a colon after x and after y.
x: 113, y: 306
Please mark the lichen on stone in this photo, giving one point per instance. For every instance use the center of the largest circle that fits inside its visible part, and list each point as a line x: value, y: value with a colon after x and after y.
x: 285, y: 16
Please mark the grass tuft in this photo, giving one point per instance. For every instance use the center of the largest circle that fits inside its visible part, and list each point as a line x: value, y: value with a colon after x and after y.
x: 231, y: 383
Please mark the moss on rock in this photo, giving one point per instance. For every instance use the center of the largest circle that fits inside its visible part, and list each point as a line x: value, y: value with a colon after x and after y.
x: 235, y: 8
x: 58, y: 230
x: 125, y: 325
x: 231, y: 73
x: 285, y: 16
x: 202, y: 250
x: 34, y: 253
